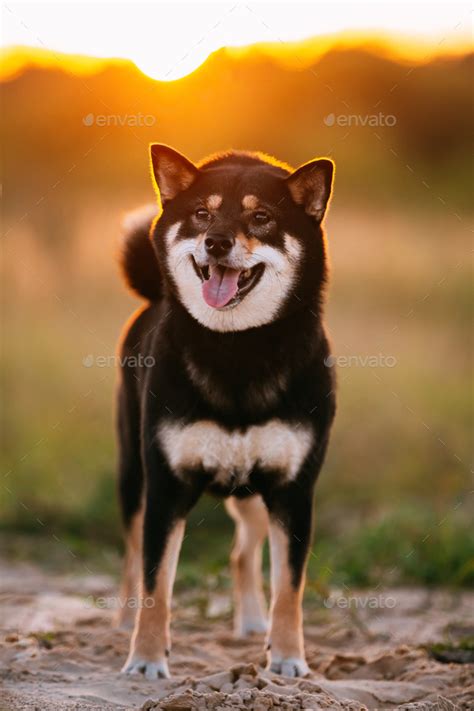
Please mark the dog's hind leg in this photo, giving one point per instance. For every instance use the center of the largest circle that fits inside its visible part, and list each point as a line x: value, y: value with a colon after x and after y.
x: 131, y: 574
x: 251, y: 520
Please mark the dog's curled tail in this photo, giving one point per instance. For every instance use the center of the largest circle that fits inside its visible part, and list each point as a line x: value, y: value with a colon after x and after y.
x: 137, y: 258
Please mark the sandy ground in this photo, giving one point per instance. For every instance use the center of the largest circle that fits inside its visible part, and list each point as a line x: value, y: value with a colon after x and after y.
x: 59, y: 651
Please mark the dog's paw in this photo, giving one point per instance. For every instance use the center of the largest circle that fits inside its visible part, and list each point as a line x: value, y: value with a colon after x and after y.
x: 288, y: 666
x: 150, y: 669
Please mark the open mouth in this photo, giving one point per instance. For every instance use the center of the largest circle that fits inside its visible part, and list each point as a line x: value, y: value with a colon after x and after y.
x: 224, y: 287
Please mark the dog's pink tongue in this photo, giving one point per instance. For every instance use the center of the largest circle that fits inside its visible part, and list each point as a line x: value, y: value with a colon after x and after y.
x: 221, y: 286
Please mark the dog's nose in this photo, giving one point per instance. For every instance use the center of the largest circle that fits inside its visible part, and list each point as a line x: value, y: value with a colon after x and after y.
x: 218, y: 245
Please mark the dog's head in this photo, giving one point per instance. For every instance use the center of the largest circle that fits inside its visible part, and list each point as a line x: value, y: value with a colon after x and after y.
x: 239, y: 236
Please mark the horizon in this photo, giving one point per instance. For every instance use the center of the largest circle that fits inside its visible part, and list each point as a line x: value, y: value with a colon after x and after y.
x: 29, y: 38
x: 15, y: 60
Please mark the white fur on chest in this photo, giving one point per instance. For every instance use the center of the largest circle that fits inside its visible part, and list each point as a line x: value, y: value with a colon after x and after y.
x: 276, y: 445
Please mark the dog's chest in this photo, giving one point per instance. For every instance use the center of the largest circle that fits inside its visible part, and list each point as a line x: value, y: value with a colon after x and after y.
x: 274, y: 446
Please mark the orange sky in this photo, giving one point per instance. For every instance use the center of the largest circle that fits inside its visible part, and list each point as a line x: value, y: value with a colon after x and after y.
x: 169, y: 40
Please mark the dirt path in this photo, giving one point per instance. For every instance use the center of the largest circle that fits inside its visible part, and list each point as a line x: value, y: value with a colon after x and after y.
x: 59, y: 651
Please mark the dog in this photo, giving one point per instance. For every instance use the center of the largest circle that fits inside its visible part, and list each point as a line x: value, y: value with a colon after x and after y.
x: 233, y: 394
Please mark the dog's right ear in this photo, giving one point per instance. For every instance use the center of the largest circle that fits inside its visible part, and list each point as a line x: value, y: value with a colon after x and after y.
x: 171, y: 172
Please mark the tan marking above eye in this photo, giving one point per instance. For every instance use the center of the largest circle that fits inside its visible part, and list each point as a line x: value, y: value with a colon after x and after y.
x: 250, y: 202
x: 249, y: 244
x: 213, y: 202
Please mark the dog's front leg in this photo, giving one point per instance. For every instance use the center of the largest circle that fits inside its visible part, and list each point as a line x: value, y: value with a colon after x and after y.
x: 151, y: 642
x: 290, y: 535
x: 168, y: 500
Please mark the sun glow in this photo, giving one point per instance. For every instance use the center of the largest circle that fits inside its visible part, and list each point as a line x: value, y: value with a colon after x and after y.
x: 167, y: 41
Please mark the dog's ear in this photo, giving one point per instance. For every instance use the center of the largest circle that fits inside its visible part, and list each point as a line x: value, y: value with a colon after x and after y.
x: 310, y: 185
x: 171, y: 171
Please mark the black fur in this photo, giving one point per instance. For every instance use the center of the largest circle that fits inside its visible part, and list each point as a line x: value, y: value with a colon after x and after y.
x: 138, y: 262
x: 294, y: 343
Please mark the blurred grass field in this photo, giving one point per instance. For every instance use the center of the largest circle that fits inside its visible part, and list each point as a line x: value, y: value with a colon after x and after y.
x: 394, y: 500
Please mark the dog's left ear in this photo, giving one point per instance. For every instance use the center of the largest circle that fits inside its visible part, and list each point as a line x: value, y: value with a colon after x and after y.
x: 171, y: 171
x: 310, y: 185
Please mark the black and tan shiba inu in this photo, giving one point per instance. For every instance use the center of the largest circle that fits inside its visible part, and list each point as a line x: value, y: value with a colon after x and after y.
x: 233, y: 395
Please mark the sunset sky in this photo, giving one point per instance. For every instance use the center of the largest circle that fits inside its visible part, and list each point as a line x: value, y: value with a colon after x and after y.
x: 169, y: 40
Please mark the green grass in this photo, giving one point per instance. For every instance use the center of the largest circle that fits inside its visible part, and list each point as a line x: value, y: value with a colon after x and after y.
x: 402, y: 546
x: 448, y: 652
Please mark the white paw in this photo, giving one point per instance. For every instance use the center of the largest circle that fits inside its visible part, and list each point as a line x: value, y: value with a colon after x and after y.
x: 288, y: 666
x: 251, y: 625
x: 150, y: 670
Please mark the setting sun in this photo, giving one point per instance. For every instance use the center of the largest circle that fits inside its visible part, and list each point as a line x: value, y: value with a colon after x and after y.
x: 169, y: 40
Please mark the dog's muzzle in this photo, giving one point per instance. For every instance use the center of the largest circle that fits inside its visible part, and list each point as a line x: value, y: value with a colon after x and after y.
x: 225, y: 286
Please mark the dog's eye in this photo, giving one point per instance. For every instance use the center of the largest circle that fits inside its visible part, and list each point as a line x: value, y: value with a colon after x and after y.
x: 202, y: 214
x: 261, y: 217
